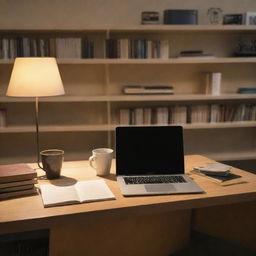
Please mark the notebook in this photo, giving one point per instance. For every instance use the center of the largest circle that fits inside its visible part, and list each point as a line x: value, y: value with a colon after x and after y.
x: 80, y: 192
x: 150, y: 160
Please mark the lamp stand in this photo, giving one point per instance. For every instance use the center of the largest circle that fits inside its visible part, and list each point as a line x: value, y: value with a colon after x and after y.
x: 37, y: 135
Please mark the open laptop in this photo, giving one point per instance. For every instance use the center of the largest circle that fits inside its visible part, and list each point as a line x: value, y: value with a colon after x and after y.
x: 150, y: 160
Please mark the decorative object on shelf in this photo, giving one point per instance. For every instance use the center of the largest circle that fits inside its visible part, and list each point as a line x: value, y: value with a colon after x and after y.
x: 152, y: 89
x: 52, y: 162
x: 2, y: 117
x: 215, y: 15
x: 246, y: 48
x: 250, y: 18
x: 149, y: 17
x: 35, y: 77
x: 181, y: 17
x: 236, y: 19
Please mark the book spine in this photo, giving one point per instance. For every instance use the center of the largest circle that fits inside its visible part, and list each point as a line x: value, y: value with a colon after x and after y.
x: 124, y: 116
x: 216, y: 83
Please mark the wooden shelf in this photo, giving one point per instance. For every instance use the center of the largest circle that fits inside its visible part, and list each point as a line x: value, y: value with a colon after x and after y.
x: 100, y: 75
x: 105, y: 127
x: 54, y: 128
x: 219, y: 60
x: 134, y: 98
x: 130, y: 28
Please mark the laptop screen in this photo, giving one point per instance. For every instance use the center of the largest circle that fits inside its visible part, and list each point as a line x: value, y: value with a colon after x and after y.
x: 149, y: 150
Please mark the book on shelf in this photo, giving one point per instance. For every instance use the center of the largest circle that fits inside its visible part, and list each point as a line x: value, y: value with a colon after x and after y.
x: 162, y: 115
x: 16, y: 172
x: 65, y: 47
x: 124, y: 116
x: 138, y: 116
x: 195, y: 54
x: 200, y: 113
x: 247, y: 90
x: 137, y: 48
x: 183, y: 114
x: 156, y: 89
x: 80, y: 192
x: 147, y: 116
x: 178, y: 114
x: 68, y: 47
x: 213, y: 83
x: 87, y: 49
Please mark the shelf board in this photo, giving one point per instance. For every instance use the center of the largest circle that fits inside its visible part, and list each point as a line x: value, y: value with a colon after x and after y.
x: 133, y: 98
x: 130, y: 28
x: 159, y: 61
x: 54, y: 128
x: 182, y: 28
x: 218, y: 60
x: 105, y: 127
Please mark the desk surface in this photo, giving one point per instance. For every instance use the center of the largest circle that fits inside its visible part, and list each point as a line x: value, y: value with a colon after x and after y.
x: 31, y: 208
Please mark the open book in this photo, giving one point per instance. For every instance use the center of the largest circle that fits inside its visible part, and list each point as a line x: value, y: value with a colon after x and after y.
x: 80, y: 192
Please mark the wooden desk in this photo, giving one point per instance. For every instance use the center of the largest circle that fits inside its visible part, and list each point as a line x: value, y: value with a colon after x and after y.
x: 152, y: 225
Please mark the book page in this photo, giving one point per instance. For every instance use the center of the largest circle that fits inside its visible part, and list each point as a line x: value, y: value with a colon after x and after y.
x: 53, y: 195
x: 93, y: 190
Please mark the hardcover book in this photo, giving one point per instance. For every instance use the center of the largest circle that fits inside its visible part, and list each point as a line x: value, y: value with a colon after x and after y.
x: 16, y: 172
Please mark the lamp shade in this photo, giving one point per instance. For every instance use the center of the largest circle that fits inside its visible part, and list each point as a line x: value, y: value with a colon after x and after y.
x: 35, y: 77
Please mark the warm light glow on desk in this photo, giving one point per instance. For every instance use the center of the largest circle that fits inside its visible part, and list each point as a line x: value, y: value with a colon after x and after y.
x: 35, y: 77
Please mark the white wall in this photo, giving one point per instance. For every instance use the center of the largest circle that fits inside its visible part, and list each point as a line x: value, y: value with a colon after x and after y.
x: 73, y: 13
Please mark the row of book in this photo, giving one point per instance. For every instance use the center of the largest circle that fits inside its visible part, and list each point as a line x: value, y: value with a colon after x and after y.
x: 137, y: 48
x: 17, y: 180
x: 11, y: 48
x: 182, y: 114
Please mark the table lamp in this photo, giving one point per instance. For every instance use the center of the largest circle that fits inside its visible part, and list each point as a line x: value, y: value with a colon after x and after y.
x: 35, y: 77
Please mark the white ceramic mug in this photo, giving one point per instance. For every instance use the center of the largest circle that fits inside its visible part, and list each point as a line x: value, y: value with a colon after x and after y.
x: 101, y: 160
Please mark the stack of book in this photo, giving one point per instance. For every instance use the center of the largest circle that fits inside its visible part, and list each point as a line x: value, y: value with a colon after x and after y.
x: 17, y: 180
x: 195, y: 54
x: 219, y: 173
x: 156, y: 89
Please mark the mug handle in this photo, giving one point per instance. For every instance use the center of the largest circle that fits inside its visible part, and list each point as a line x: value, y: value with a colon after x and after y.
x: 92, y: 161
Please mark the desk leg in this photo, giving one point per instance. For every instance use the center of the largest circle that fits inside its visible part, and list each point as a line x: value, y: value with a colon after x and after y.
x: 151, y: 235
x: 235, y: 222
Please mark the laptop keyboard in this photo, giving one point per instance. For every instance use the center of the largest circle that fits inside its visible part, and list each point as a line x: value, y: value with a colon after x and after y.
x: 154, y: 179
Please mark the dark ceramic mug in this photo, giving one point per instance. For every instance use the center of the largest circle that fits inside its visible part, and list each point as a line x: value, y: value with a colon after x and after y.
x: 52, y: 162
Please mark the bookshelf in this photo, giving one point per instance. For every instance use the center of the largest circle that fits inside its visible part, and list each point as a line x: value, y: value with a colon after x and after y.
x: 85, y: 118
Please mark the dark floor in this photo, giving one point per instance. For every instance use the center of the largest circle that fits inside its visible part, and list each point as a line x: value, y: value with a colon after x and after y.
x: 34, y: 243
x: 204, y: 245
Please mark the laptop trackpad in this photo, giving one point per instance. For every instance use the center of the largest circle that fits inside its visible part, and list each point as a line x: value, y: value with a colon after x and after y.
x: 159, y: 187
